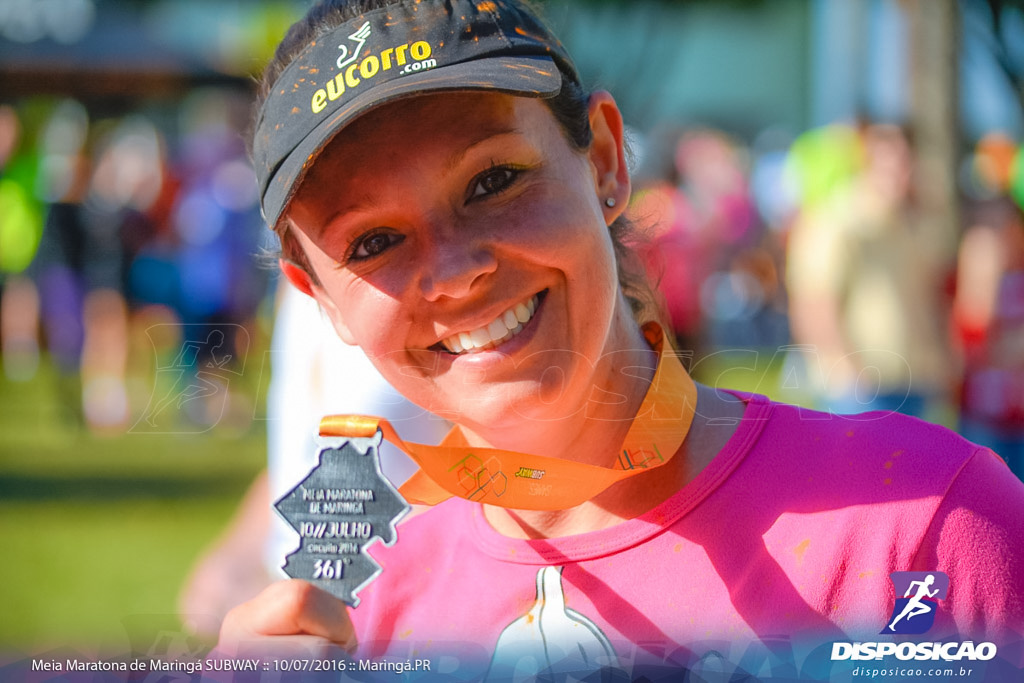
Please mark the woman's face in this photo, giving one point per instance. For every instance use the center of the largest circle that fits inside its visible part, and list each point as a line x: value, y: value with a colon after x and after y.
x: 463, y: 244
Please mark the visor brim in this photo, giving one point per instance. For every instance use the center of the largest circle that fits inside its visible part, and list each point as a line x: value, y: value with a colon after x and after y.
x: 524, y: 76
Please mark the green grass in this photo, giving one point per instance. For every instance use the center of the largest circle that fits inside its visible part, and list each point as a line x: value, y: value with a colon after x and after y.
x: 98, y: 532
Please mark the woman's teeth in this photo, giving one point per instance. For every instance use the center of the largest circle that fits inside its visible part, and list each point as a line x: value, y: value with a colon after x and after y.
x: 501, y: 329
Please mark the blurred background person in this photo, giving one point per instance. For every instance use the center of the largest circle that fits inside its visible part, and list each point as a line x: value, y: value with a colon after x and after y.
x: 20, y: 228
x: 866, y: 292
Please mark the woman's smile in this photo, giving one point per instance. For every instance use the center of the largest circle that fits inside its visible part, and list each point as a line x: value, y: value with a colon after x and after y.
x: 495, y: 333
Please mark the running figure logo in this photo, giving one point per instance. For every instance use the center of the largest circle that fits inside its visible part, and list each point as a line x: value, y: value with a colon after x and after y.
x: 914, y: 613
x: 360, y: 36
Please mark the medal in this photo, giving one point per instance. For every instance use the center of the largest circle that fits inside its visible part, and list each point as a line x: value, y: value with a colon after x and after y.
x: 344, y: 505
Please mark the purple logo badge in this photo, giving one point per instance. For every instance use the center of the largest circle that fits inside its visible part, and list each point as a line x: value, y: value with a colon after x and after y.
x: 917, y: 601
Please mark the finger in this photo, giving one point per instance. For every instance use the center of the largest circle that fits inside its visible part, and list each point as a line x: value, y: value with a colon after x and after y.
x: 292, y: 607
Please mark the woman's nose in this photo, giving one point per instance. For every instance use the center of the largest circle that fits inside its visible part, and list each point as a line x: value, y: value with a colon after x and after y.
x: 453, y: 265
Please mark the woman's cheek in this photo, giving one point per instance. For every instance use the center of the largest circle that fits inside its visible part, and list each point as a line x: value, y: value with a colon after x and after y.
x: 377, y: 329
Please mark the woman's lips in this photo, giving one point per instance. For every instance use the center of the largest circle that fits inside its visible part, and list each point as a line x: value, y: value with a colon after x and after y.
x: 497, y: 332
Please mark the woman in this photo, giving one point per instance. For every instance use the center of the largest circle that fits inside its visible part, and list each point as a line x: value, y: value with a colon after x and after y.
x: 447, y: 192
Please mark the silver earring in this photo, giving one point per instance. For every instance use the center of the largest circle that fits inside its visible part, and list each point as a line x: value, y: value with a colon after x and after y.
x: 610, y: 202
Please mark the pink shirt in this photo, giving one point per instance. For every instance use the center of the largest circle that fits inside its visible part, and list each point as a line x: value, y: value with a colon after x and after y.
x: 785, y: 540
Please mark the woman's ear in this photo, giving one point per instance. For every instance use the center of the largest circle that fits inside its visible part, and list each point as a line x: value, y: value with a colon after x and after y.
x: 302, y: 281
x: 608, y: 155
x: 297, y: 276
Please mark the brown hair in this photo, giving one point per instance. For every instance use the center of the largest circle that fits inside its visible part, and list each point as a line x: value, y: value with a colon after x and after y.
x: 570, y: 108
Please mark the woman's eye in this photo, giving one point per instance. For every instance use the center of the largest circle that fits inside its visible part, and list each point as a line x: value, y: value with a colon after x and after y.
x: 374, y: 244
x: 494, y: 181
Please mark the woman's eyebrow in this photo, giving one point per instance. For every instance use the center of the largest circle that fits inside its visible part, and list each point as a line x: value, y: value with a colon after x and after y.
x: 484, y: 136
x: 361, y: 203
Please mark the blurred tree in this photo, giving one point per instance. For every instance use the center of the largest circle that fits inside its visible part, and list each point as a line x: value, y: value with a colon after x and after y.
x: 933, y: 117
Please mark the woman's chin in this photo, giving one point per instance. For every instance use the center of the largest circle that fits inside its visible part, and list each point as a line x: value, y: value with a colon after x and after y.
x: 509, y: 412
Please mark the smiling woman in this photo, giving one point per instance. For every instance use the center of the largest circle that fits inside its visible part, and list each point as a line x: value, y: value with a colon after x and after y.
x: 463, y: 224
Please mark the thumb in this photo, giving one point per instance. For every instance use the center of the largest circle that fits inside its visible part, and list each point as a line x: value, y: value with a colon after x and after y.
x: 288, y: 608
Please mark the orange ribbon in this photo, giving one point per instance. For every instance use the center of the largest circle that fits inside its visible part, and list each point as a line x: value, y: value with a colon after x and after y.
x: 522, y: 481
